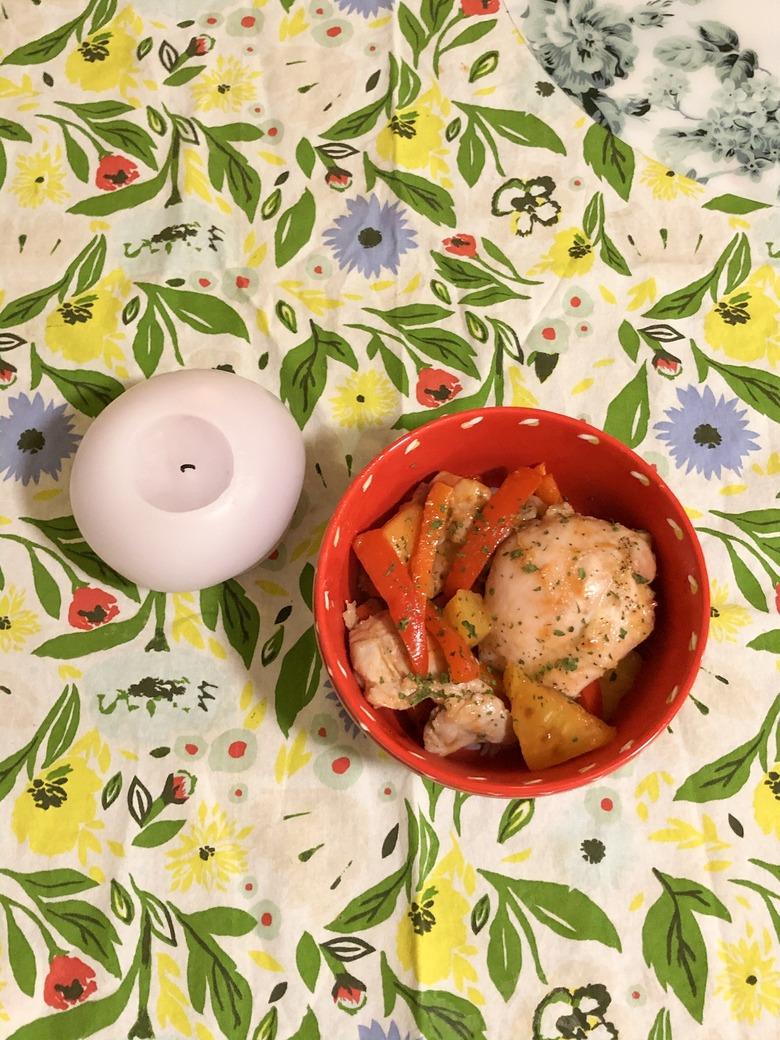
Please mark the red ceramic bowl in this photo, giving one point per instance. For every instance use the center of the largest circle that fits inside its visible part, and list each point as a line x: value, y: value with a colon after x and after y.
x: 601, y: 477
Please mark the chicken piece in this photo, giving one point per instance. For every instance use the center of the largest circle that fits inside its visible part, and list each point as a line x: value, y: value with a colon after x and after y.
x: 569, y: 596
x: 476, y: 718
x: 382, y: 667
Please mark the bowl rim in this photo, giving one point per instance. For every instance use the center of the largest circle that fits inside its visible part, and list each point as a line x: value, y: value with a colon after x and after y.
x: 418, y: 762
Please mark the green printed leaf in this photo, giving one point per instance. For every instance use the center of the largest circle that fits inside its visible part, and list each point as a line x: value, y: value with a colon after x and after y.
x: 159, y: 917
x: 65, y: 535
x: 681, y: 303
x: 308, y: 1029
x: 758, y: 387
x: 226, y: 163
x: 593, y: 217
x: 661, y: 1028
x: 46, y: 588
x: 79, y: 644
x: 474, y: 32
x: 437, y: 1014
x: 521, y: 128
x: 672, y: 942
x: 87, y: 928
x: 294, y: 228
x: 183, y: 75
x: 484, y: 65
x: 487, y: 297
x: 127, y: 137
x: 122, y: 905
x: 504, y: 953
x: 111, y: 791
x: 298, y: 680
x: 445, y: 348
x: 425, y: 197
x: 565, y: 911
x: 413, y: 314
x: 45, y: 47
x: 12, y: 131
x: 223, y: 920
x: 428, y: 850
x: 629, y: 339
x: 480, y: 914
x: 269, y: 1024
x: 373, y: 906
x: 435, y: 13
x: 628, y: 414
x: 471, y: 155
x: 735, y: 204
x: 240, y: 619
x: 348, y: 949
x: 133, y: 195
x: 307, y: 960
x: 76, y: 156
x: 394, y: 368
x: 92, y: 110
x: 739, y: 265
x: 303, y: 375
x: 202, y: 312
x: 409, y: 85
x: 517, y: 815
x: 762, y: 525
x: 460, y: 273
x: 305, y: 156
x: 612, y: 256
x: 157, y: 833
x: 746, y: 580
x: 149, y: 340
x: 20, y: 955
x: 87, y: 391
x: 769, y: 641
x: 357, y: 123
x: 26, y: 307
x: 64, y: 727
x: 102, y: 14
x: 53, y: 884
x: 414, y: 34
x: 611, y: 159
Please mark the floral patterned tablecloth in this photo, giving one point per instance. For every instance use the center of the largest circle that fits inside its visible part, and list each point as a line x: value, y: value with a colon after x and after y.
x: 383, y: 212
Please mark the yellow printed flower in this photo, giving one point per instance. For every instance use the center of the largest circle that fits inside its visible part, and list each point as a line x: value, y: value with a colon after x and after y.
x: 432, y: 937
x: 86, y: 327
x: 364, y: 399
x: 749, y: 982
x: 39, y: 178
x: 726, y: 619
x: 227, y: 87
x: 766, y: 802
x: 210, y: 851
x: 666, y: 184
x: 16, y: 623
x: 746, y: 324
x: 412, y: 137
x: 56, y: 806
x: 570, y: 255
x: 106, y: 60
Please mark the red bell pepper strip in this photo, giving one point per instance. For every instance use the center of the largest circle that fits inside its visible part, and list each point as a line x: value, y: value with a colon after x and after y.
x: 435, y: 514
x: 590, y: 698
x: 548, y: 489
x: 491, y: 526
x: 461, y: 662
x: 391, y: 580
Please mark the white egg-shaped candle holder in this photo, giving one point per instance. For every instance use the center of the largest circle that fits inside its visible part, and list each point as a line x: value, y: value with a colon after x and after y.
x: 187, y: 479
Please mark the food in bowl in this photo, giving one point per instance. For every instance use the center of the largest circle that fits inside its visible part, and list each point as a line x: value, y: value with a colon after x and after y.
x: 500, y: 616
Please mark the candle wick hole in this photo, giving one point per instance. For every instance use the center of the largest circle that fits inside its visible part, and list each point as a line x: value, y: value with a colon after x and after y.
x: 185, y: 466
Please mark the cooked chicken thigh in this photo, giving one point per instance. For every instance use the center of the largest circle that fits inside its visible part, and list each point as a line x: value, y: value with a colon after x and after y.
x: 382, y: 667
x: 478, y: 717
x: 569, y: 596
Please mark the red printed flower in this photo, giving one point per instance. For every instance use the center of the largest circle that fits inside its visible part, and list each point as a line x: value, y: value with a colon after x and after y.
x: 115, y: 171
x: 349, y: 993
x: 338, y: 179
x: 178, y: 787
x: 461, y: 245
x: 435, y: 387
x: 667, y: 364
x: 69, y: 982
x: 91, y: 607
x: 470, y: 7
x: 777, y: 597
x: 200, y: 45
x: 7, y: 375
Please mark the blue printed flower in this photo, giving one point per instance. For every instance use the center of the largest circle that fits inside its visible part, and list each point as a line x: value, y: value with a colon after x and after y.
x: 371, y: 236
x: 368, y: 8
x: 35, y: 438
x: 706, y: 434
x: 377, y: 1032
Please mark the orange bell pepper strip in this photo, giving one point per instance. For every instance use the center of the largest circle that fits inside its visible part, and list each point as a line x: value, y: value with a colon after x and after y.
x: 391, y: 580
x: 461, y: 662
x: 491, y: 526
x: 590, y: 698
x: 548, y: 489
x: 435, y: 514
